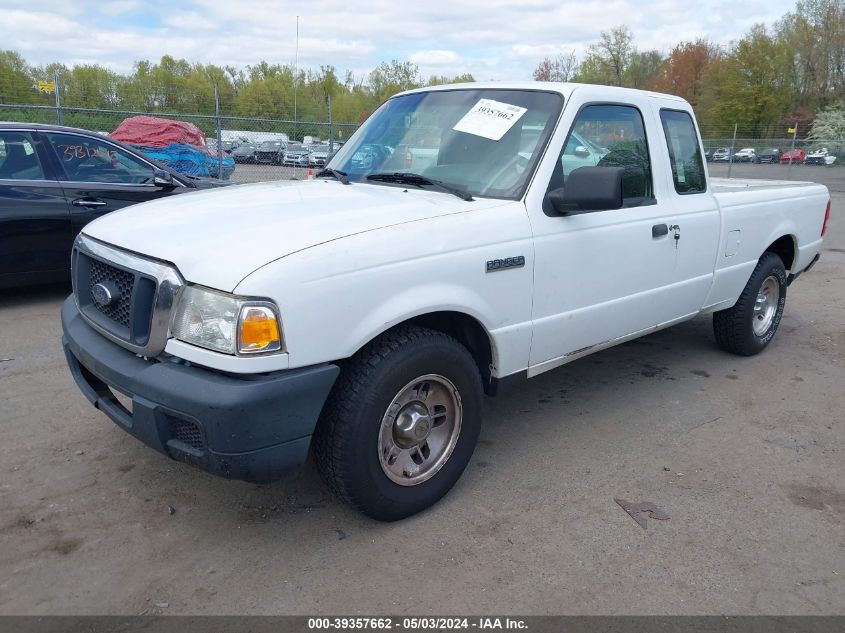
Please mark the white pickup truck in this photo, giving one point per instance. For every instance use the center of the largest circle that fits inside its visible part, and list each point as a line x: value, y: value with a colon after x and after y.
x: 365, y: 314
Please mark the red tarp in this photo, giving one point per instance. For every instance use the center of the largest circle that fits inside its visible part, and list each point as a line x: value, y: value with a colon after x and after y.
x: 152, y: 131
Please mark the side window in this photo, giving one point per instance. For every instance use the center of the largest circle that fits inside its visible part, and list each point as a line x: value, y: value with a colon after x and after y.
x: 87, y: 159
x: 18, y: 158
x: 609, y: 136
x: 684, y: 152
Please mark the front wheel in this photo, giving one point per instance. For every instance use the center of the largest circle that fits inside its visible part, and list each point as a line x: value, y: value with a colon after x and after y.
x: 401, y: 423
x: 749, y: 326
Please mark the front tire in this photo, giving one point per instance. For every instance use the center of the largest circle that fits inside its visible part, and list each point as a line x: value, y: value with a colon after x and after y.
x: 748, y: 327
x: 401, y: 423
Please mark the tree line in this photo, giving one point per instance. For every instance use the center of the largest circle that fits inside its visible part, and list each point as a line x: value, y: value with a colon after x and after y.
x: 769, y: 80
x: 263, y: 90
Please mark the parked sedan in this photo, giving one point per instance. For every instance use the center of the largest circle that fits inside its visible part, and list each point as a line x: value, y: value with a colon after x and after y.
x: 244, y: 153
x: 746, y: 155
x: 769, y: 155
x: 270, y: 152
x: 721, y: 155
x: 296, y: 155
x: 54, y: 180
x: 793, y: 156
x: 318, y: 156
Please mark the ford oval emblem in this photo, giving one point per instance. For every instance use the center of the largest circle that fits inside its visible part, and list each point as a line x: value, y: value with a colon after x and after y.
x: 104, y: 294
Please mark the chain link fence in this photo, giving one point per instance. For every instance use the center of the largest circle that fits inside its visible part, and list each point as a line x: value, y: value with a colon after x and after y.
x: 262, y: 148
x: 792, y: 146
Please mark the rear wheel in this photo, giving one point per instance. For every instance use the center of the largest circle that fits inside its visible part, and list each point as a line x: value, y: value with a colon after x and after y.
x: 401, y: 423
x: 749, y: 326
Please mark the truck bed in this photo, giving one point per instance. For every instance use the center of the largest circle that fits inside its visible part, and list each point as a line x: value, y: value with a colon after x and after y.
x: 725, y: 185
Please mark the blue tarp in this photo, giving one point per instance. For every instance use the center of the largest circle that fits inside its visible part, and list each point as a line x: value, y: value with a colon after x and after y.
x: 189, y: 160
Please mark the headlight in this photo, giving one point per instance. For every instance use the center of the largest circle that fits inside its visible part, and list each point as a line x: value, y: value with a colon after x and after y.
x: 225, y: 323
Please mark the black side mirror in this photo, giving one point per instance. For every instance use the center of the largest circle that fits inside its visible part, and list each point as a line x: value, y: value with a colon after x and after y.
x: 162, y: 178
x: 589, y: 189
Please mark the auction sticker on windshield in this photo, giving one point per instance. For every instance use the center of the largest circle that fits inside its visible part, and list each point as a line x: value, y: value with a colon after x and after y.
x: 490, y: 119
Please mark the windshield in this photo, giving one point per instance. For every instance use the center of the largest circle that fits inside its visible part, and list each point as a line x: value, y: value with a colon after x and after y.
x: 294, y: 147
x: 485, y: 142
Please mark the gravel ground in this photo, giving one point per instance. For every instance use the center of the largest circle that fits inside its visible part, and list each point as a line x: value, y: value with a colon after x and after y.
x: 745, y: 455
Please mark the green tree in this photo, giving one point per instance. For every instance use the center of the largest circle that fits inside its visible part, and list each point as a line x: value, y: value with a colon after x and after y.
x: 389, y: 78
x: 608, y: 60
x: 17, y: 84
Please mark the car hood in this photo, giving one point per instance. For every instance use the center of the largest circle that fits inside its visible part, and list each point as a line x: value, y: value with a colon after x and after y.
x: 218, y: 237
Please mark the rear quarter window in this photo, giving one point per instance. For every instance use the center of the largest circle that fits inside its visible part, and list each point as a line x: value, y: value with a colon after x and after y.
x: 684, y: 152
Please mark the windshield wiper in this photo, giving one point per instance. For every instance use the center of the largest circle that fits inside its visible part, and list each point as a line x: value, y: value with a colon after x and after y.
x: 339, y: 175
x: 405, y: 178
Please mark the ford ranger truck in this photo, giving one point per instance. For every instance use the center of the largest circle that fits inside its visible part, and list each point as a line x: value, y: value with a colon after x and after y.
x: 466, y: 237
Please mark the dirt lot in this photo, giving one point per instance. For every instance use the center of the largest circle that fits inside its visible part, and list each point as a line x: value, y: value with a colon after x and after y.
x: 246, y: 173
x: 744, y: 454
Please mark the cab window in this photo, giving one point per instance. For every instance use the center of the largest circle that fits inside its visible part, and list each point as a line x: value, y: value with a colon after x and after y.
x: 609, y: 136
x: 18, y: 158
x: 684, y: 152
x: 87, y: 159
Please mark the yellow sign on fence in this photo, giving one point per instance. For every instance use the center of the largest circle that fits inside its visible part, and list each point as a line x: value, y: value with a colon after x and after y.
x: 46, y: 86
x: 791, y: 130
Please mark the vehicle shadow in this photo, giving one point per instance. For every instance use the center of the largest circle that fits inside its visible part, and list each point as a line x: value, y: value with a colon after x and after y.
x: 34, y: 295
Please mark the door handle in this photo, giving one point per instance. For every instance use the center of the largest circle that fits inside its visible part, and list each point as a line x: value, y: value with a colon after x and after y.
x: 659, y: 230
x: 88, y: 203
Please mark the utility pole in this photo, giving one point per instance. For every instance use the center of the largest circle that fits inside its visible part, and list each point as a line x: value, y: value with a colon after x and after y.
x: 295, y: 77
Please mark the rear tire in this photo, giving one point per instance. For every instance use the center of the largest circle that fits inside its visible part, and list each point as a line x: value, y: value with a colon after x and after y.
x: 748, y: 327
x: 401, y: 423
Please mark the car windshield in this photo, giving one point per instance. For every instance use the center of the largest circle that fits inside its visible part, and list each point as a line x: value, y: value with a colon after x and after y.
x: 270, y: 145
x: 294, y: 147
x: 486, y: 142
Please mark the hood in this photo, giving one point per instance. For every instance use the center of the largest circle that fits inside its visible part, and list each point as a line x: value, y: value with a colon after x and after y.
x: 217, y: 237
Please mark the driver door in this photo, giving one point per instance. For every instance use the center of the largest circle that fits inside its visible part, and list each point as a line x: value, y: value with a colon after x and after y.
x: 100, y: 177
x: 607, y: 274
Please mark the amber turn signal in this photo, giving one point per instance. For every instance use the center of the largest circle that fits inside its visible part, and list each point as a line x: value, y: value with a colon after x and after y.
x: 259, y: 330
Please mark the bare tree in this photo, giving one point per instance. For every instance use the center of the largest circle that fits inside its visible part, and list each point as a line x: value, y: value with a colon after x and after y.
x: 561, y: 68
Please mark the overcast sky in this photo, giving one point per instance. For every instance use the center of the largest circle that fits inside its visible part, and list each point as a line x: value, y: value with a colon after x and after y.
x: 492, y: 39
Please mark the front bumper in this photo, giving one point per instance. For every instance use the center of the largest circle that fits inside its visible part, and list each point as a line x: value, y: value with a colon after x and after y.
x: 256, y: 427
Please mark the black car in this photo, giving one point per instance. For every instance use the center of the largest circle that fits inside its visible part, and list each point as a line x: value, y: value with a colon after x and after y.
x: 270, y: 152
x: 769, y: 155
x: 54, y: 180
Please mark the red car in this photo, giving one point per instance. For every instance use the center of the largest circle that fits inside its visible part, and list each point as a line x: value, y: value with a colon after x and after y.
x: 795, y: 155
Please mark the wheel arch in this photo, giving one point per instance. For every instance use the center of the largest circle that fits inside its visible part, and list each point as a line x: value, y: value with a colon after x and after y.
x: 464, y: 328
x: 784, y: 247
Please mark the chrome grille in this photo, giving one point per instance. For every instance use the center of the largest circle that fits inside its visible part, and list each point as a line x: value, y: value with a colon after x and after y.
x: 125, y: 283
x: 147, y: 291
